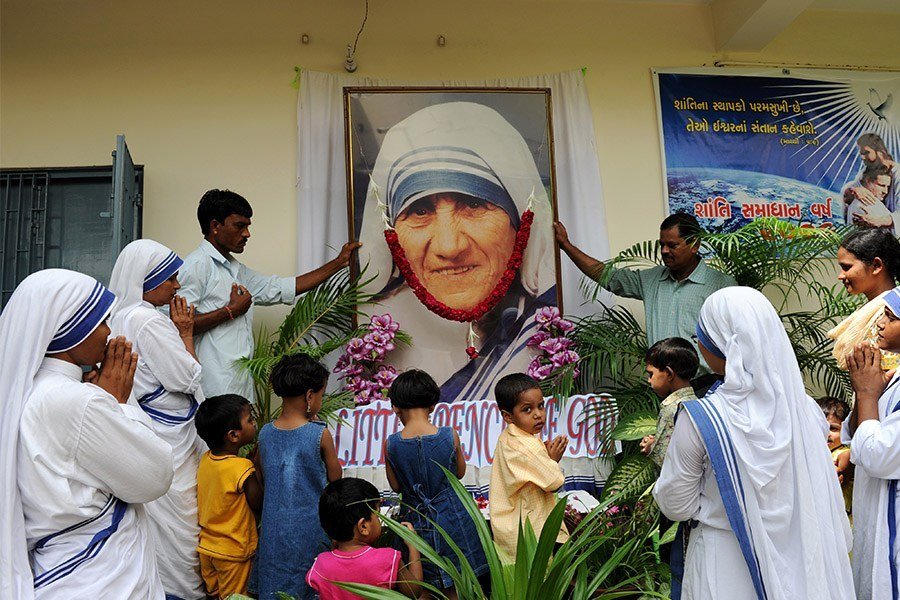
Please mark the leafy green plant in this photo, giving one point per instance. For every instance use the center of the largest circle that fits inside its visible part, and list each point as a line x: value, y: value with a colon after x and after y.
x: 321, y: 321
x: 573, y: 570
x: 786, y: 262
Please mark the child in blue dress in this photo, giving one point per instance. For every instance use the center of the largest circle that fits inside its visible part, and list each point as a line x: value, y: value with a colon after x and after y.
x: 412, y: 456
x: 297, y: 459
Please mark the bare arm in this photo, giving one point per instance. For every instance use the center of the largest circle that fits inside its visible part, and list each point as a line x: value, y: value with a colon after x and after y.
x: 182, y: 316
x: 460, y: 457
x: 389, y: 470
x: 333, y: 469
x: 868, y: 381
x: 308, y: 281
x: 253, y: 491
x: 238, y: 304
x: 587, y: 264
x: 409, y: 576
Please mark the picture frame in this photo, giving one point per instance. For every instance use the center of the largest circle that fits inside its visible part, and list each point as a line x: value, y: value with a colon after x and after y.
x: 453, y: 171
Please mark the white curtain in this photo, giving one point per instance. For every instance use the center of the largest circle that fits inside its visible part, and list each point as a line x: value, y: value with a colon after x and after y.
x: 322, y: 181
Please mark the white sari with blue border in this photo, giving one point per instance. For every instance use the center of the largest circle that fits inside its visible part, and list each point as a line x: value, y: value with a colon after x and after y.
x: 751, y: 469
x: 875, y: 450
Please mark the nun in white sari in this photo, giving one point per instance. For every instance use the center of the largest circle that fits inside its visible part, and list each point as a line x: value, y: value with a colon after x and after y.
x: 74, y: 466
x: 748, y: 468
x: 167, y: 388
x: 873, y: 432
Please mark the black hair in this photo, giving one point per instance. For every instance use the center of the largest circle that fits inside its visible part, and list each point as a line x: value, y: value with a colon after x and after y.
x: 869, y: 243
x: 873, y: 172
x: 687, y: 224
x: 414, y: 389
x: 510, y: 387
x: 833, y: 407
x: 874, y: 141
x: 218, y: 204
x: 676, y: 353
x: 343, y: 503
x: 218, y: 415
x: 296, y: 374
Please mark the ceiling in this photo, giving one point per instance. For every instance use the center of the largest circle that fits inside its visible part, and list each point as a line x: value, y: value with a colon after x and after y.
x: 873, y: 6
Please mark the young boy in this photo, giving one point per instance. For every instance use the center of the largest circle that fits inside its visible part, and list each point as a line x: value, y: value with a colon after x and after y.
x: 836, y: 411
x: 525, y: 473
x: 228, y: 491
x: 671, y: 364
x: 348, y: 511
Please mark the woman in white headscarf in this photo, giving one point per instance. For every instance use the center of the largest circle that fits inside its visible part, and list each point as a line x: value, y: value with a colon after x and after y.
x: 748, y: 468
x: 456, y: 179
x: 167, y: 388
x: 74, y: 466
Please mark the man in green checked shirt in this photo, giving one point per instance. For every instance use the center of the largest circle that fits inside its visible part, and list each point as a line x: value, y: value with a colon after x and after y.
x: 673, y: 292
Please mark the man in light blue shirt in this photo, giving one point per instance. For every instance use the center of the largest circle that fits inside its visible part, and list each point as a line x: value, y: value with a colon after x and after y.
x: 673, y: 292
x: 224, y: 290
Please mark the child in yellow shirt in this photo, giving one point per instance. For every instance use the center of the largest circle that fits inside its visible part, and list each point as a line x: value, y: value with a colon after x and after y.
x: 228, y: 491
x: 525, y: 473
x: 836, y: 411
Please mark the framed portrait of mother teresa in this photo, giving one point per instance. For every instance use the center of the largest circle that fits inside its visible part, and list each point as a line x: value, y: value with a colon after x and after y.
x: 451, y: 191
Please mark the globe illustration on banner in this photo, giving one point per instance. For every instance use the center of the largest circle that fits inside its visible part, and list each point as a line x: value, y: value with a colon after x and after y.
x: 689, y: 187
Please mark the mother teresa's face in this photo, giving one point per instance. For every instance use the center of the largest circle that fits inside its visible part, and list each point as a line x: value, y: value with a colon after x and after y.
x: 457, y: 245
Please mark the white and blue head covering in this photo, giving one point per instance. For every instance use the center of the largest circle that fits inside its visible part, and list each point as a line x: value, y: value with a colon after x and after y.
x: 772, y: 436
x: 892, y: 299
x: 142, y: 266
x: 51, y: 311
x: 461, y: 147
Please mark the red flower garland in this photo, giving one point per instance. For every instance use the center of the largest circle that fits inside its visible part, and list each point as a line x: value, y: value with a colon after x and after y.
x: 480, y: 309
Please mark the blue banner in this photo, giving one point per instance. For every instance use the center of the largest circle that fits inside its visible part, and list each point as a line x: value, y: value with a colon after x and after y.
x: 811, y: 149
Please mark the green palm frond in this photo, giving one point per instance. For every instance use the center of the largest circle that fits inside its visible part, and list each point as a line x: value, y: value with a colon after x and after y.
x: 635, y: 426
x: 320, y: 322
x: 612, y: 344
x: 630, y: 477
x: 643, y: 254
x: 325, y: 312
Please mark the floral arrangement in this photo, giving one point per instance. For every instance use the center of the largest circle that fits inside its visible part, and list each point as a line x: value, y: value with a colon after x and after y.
x: 556, y: 350
x: 362, y: 365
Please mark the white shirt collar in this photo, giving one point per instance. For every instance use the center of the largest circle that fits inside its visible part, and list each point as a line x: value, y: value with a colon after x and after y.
x: 211, y: 250
x: 62, y: 367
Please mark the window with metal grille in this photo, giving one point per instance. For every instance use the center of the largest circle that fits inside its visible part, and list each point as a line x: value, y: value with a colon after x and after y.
x: 76, y: 218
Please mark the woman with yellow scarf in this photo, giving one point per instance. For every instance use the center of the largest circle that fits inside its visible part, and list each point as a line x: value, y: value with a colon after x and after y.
x: 870, y: 264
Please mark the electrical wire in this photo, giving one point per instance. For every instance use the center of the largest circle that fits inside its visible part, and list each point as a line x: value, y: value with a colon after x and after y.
x: 361, y: 27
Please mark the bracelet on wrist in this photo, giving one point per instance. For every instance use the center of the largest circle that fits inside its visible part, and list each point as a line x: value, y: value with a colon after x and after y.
x: 230, y: 314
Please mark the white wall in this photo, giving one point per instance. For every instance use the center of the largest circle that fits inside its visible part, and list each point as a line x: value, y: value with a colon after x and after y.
x: 202, y: 89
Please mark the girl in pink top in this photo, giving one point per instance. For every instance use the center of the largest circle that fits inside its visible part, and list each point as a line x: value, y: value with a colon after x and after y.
x: 348, y: 511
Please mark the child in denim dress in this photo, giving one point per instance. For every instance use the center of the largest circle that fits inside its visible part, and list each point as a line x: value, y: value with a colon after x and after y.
x: 412, y: 456
x: 297, y: 459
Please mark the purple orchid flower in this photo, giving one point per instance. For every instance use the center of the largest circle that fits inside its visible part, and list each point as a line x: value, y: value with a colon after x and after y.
x: 538, y: 370
x: 547, y: 317
x: 565, y: 326
x: 342, y: 363
x: 555, y: 345
x: 354, y: 369
x: 379, y: 339
x: 384, y: 323
x: 563, y: 358
x: 356, y: 349
x: 385, y: 375
x: 535, y: 340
